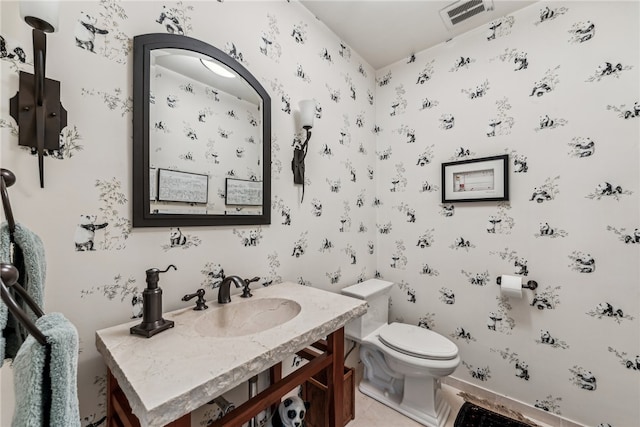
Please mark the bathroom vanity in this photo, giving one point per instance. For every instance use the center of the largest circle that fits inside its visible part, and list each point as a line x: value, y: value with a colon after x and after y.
x: 166, y: 377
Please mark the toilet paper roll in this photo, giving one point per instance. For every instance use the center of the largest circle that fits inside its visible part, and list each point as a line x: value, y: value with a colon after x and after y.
x: 511, y: 286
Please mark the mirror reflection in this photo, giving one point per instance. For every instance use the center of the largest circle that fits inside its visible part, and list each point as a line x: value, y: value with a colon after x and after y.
x: 201, y: 136
x: 206, y: 129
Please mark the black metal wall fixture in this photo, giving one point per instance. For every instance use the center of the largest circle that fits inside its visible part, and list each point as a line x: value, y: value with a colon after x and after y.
x: 36, y: 107
x: 307, y: 112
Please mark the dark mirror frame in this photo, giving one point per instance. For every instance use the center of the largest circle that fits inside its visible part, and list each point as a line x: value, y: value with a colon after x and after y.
x: 142, y: 216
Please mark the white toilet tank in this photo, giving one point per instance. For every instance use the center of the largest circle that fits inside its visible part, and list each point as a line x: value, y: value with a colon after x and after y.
x: 376, y: 293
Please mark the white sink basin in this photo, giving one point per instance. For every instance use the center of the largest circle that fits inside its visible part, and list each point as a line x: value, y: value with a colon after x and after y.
x: 246, y: 317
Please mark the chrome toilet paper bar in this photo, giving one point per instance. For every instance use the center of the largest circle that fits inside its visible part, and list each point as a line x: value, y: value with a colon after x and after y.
x: 531, y: 284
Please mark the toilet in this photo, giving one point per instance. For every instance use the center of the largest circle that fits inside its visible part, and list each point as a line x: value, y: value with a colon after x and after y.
x: 403, y: 363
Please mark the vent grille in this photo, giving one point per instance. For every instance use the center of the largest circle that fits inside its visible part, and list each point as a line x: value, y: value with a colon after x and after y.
x: 462, y: 10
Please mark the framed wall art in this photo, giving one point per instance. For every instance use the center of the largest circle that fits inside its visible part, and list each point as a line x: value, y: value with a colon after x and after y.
x: 186, y: 187
x: 153, y: 184
x: 476, y: 180
x: 242, y: 192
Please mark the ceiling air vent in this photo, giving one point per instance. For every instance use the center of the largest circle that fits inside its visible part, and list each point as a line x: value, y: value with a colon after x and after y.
x: 462, y: 10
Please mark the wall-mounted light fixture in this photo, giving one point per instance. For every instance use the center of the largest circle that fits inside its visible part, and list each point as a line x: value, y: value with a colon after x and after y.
x: 36, y: 107
x: 307, y: 112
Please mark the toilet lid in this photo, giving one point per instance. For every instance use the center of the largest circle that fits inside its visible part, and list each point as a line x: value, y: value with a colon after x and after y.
x: 417, y: 341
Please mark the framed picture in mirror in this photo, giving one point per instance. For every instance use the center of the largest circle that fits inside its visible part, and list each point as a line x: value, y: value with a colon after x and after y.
x: 185, y: 187
x: 241, y: 192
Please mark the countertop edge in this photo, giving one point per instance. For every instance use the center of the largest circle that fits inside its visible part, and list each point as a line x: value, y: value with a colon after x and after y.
x: 132, y: 396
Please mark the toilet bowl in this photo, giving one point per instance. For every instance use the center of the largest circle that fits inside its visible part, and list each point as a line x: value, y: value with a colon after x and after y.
x: 403, y: 363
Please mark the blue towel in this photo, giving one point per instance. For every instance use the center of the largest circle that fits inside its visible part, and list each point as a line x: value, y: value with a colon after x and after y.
x: 29, y: 258
x: 28, y: 375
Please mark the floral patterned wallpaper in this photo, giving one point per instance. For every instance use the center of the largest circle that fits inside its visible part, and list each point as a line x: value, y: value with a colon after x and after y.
x: 556, y: 87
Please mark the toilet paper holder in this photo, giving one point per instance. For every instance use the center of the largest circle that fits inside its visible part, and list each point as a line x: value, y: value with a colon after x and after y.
x: 531, y: 284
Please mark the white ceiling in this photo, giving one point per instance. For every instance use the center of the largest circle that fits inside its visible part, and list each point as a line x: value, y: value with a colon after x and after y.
x: 386, y: 31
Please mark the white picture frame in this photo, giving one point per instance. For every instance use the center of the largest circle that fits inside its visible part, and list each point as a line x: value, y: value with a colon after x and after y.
x: 153, y: 184
x: 241, y: 192
x: 185, y: 187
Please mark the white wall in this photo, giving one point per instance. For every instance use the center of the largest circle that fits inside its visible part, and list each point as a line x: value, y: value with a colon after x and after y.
x: 583, y: 103
x: 95, y: 289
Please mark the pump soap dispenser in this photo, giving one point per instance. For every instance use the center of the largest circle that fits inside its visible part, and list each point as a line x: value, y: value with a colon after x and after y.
x: 152, y: 321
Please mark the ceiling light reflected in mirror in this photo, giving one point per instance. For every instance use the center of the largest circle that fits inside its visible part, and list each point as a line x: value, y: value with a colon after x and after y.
x: 217, y: 69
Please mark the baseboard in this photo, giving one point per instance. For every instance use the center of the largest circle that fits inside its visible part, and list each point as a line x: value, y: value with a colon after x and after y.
x: 523, y: 408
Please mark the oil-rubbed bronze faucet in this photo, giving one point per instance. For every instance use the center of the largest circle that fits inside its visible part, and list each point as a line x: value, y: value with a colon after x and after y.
x: 224, y: 291
x: 224, y: 295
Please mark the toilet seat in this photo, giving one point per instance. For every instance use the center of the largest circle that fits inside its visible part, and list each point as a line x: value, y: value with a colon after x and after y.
x: 417, y: 342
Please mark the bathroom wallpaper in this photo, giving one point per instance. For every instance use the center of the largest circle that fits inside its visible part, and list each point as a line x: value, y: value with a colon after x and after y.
x: 556, y: 87
x: 205, y: 131
x: 96, y: 261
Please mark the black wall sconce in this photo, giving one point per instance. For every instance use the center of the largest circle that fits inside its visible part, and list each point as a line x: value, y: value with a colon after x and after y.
x: 307, y: 112
x: 36, y: 107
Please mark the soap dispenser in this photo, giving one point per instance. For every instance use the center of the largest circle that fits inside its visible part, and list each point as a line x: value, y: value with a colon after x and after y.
x: 152, y: 321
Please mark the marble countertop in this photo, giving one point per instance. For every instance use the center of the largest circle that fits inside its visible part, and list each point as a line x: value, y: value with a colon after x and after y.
x: 176, y: 371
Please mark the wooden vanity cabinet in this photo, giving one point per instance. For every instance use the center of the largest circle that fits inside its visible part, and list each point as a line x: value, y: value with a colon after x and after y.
x: 327, y: 357
x: 119, y: 412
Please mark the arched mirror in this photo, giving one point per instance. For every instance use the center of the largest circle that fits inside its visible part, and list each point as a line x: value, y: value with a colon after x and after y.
x: 201, y: 136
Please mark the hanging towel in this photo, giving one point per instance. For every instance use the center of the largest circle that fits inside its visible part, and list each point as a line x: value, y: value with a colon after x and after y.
x: 29, y: 374
x: 28, y: 257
